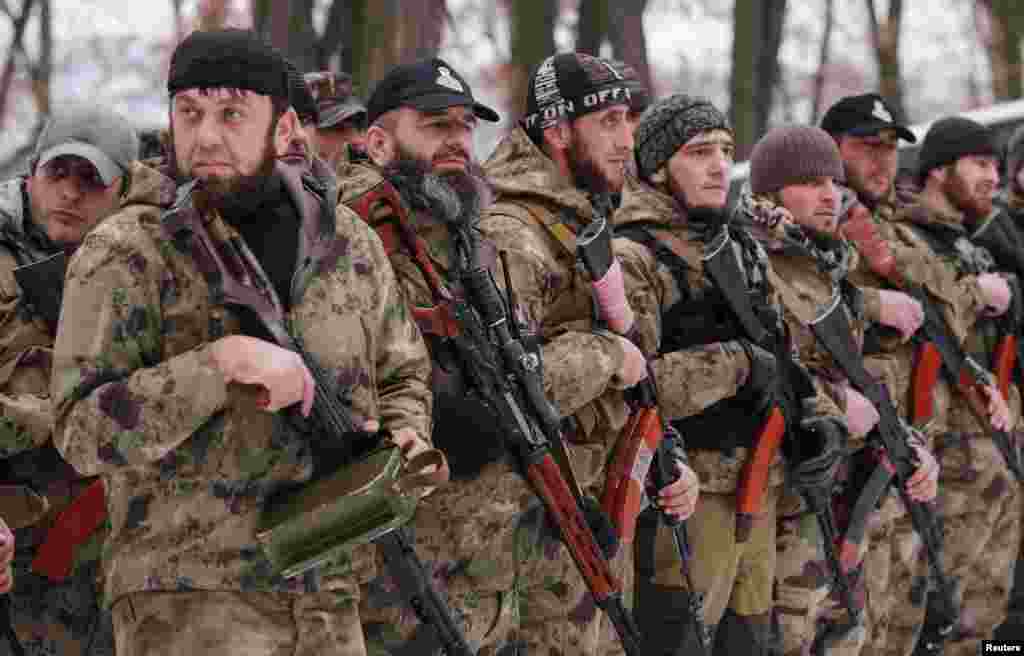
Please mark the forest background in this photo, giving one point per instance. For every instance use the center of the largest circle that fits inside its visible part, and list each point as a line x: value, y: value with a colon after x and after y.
x: 766, y: 61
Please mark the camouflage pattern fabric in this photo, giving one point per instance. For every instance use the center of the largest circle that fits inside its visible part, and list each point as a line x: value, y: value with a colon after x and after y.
x: 509, y: 581
x: 896, y: 587
x: 188, y: 460
x: 979, y: 502
x: 805, y: 602
x: 48, y: 617
x: 255, y: 624
x: 534, y: 218
x: 737, y: 576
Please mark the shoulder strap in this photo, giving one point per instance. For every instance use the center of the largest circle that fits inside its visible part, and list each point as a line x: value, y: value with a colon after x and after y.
x: 677, y: 266
x: 398, y: 236
x: 551, y: 222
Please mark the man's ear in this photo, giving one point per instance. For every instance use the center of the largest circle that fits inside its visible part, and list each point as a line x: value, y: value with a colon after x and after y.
x: 938, y: 175
x: 285, y: 130
x: 380, y: 145
x: 559, y: 136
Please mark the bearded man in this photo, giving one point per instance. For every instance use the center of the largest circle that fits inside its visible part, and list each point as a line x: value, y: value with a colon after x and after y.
x: 170, y: 381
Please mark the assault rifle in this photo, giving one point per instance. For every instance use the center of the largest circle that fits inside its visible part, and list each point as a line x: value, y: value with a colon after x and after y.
x: 720, y: 263
x: 339, y: 433
x: 646, y: 434
x: 784, y: 416
x: 487, y: 343
x: 532, y: 429
x: 939, y: 349
x: 897, y: 466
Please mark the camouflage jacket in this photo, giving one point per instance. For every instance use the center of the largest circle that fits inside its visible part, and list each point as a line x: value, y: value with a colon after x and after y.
x: 692, y: 379
x: 47, y: 615
x: 808, y: 279
x: 534, y: 219
x: 187, y: 459
x: 26, y: 349
x: 943, y: 276
x: 25, y: 340
x: 885, y: 353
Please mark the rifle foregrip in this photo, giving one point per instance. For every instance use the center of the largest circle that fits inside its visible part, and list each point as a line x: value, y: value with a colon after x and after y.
x: 624, y: 487
x: 753, y: 481
x: 1005, y: 360
x: 922, y: 385
x: 549, y: 484
x: 484, y: 295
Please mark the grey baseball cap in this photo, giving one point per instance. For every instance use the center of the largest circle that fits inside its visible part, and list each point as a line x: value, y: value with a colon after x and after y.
x: 96, y: 134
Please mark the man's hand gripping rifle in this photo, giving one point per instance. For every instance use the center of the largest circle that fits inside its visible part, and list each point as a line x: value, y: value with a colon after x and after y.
x: 648, y: 446
x: 893, y: 437
x: 532, y: 429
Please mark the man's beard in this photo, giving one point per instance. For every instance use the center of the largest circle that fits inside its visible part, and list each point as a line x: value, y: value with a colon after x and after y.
x: 869, y: 198
x: 225, y: 193
x: 586, y: 173
x: 959, y: 193
x: 468, y: 186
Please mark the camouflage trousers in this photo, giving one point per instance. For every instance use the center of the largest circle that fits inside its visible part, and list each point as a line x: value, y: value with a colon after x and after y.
x: 980, y: 506
x: 509, y: 581
x: 896, y: 571
x: 56, y: 619
x: 242, y: 623
x: 805, y: 604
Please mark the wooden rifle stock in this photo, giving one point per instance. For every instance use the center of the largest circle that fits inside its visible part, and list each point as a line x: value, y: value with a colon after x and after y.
x: 624, y: 486
x: 927, y: 366
x: 753, y: 480
x: 1005, y: 359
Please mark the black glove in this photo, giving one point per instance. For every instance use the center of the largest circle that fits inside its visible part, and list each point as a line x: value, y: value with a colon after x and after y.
x: 818, y: 448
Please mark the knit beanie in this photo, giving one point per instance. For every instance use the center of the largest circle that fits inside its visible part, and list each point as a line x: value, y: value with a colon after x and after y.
x: 668, y: 124
x: 569, y: 85
x: 948, y: 140
x: 231, y: 58
x: 793, y: 154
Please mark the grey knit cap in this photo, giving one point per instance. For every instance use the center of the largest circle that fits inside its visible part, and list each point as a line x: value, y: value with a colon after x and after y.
x: 668, y: 124
x: 793, y: 154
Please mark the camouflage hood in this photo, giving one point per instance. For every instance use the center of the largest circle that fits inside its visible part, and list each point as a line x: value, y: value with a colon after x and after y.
x: 518, y: 168
x: 642, y: 203
x: 924, y: 211
x: 24, y: 238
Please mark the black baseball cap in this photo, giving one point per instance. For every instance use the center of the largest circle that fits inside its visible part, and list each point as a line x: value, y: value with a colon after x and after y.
x: 428, y: 85
x: 862, y: 116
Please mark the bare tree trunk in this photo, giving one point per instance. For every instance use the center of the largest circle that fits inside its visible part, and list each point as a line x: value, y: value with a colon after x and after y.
x: 43, y: 70
x: 757, y: 37
x: 533, y: 39
x: 179, y: 22
x: 7, y: 76
x: 622, y: 25
x: 885, y: 37
x: 745, y: 51
x: 1002, y: 44
x: 768, y: 70
x: 212, y: 14
x: 823, y: 57
x: 629, y: 42
x: 593, y: 27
